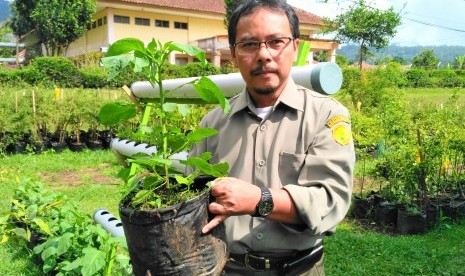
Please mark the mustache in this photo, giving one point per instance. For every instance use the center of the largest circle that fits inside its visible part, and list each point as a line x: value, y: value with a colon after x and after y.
x: 260, y: 70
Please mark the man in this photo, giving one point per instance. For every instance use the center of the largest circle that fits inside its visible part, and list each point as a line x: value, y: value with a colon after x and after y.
x: 289, y: 149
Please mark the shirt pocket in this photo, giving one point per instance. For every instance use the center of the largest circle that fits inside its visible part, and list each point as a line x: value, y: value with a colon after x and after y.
x: 290, y: 165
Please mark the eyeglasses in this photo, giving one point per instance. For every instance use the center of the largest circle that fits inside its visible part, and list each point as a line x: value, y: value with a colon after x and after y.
x: 274, y: 45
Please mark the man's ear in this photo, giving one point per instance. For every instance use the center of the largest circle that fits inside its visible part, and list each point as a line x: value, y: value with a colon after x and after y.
x: 296, y: 48
x: 233, y: 55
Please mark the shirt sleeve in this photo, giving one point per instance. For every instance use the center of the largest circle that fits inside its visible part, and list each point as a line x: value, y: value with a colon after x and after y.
x: 324, y: 189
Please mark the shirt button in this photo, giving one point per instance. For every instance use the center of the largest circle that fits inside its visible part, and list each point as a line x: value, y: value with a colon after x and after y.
x: 261, y: 163
x: 259, y: 236
x: 263, y: 127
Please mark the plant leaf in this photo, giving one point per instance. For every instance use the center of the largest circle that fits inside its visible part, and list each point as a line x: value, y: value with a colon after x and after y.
x: 141, y: 197
x: 114, y: 113
x: 140, y: 64
x: 93, y: 261
x: 302, y: 53
x: 21, y: 232
x: 189, y: 50
x: 115, y: 65
x: 197, y: 135
x: 64, y: 243
x: 124, y: 46
x: 184, y: 109
x: 207, y: 168
x: 183, y: 180
x: 211, y: 93
x: 43, y: 226
x: 48, y: 253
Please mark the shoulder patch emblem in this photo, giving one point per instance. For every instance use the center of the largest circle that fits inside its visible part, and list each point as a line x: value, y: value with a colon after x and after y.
x: 337, y: 119
x: 342, y: 135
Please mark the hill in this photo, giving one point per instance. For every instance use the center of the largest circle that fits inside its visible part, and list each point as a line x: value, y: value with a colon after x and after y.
x: 4, y: 10
x: 446, y: 54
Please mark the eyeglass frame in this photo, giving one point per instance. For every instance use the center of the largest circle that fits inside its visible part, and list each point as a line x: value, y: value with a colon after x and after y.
x: 259, y: 43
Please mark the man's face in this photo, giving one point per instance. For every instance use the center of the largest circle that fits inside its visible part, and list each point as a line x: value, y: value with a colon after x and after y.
x: 265, y: 71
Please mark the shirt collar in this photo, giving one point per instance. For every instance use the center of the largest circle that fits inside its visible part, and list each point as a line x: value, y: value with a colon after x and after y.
x: 287, y: 97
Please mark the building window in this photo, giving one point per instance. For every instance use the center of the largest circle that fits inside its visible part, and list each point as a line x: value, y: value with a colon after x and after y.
x: 162, y: 23
x: 181, y: 60
x: 94, y: 24
x: 104, y: 20
x: 121, y: 19
x: 99, y: 22
x: 180, y: 25
x: 142, y: 21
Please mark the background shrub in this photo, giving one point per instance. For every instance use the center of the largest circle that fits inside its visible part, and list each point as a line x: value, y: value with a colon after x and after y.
x: 94, y: 77
x: 53, y: 71
x: 351, y: 75
x: 418, y: 78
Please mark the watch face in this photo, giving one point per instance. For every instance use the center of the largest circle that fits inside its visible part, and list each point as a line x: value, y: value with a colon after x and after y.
x: 265, y: 208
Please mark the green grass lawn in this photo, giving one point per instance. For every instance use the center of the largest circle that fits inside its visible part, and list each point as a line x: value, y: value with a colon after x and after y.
x: 88, y: 178
x: 433, y: 95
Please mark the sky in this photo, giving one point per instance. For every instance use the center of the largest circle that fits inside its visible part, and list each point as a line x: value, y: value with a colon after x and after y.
x: 424, y: 22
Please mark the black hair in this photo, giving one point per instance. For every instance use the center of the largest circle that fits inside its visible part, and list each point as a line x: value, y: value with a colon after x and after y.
x: 242, y: 8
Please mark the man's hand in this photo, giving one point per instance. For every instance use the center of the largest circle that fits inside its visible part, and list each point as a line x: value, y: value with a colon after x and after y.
x: 233, y: 197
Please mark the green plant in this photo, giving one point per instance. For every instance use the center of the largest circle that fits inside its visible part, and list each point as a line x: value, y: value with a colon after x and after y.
x: 64, y: 239
x: 161, y: 185
x: 53, y: 71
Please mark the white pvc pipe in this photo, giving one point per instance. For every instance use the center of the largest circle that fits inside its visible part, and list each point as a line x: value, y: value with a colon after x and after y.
x: 128, y: 149
x: 109, y: 222
x: 323, y: 77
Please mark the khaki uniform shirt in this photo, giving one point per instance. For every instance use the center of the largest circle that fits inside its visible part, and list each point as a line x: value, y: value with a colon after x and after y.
x: 304, y: 146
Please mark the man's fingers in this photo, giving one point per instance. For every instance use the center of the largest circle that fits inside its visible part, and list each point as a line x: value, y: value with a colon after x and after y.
x: 215, y: 181
x: 213, y: 223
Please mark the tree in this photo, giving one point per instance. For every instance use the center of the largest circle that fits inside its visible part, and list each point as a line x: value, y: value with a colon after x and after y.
x: 400, y: 60
x: 20, y: 20
x: 426, y: 60
x: 460, y: 62
x: 227, y: 5
x: 342, y: 60
x: 367, y: 26
x: 58, y: 23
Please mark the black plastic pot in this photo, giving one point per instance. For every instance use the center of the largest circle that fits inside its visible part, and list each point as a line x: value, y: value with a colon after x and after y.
x: 94, y: 144
x: 17, y: 148
x: 40, y: 147
x: 409, y: 223
x: 169, y: 241
x: 362, y: 208
x: 76, y: 147
x: 58, y: 147
x: 386, y: 215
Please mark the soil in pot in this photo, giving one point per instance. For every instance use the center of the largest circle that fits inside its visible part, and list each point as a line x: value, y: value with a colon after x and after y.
x: 410, y: 223
x: 364, y: 207
x: 169, y: 241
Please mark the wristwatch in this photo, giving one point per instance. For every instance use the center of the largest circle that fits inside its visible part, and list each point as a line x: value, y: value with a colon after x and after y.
x: 265, y: 205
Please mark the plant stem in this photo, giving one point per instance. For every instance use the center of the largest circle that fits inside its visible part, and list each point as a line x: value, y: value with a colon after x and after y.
x: 164, y: 130
x: 110, y: 260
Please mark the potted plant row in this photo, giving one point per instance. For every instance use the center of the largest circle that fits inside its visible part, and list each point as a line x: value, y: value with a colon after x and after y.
x: 163, y: 210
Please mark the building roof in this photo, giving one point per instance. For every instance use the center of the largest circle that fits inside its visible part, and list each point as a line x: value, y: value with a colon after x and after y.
x: 210, y: 6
